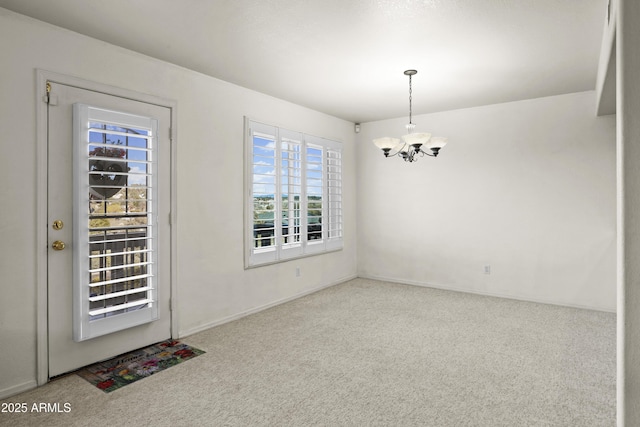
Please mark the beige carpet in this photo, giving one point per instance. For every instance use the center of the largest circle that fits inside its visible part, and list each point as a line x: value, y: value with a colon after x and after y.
x: 370, y: 353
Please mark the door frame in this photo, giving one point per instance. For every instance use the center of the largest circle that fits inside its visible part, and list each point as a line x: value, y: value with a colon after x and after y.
x: 42, y: 176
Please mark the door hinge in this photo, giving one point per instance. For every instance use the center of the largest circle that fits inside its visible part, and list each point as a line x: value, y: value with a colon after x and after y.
x: 50, y: 98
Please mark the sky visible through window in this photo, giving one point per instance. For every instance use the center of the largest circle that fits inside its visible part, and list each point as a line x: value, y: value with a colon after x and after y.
x: 264, y: 169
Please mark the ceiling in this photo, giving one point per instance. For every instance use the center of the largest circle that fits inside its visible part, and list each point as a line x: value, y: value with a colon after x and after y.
x: 347, y: 57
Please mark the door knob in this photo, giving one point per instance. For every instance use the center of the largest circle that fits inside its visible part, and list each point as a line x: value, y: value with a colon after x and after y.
x: 58, y: 245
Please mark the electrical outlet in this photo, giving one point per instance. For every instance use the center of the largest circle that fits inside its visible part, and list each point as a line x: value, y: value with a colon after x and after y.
x: 487, y: 269
x: 297, y: 271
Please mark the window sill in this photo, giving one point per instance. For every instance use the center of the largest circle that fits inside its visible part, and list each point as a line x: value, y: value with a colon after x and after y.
x: 293, y: 258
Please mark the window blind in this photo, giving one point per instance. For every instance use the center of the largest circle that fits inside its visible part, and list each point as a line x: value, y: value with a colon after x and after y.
x: 334, y: 196
x: 115, y: 185
x: 294, y: 194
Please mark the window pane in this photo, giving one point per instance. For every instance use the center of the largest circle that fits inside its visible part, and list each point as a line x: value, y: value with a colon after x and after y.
x: 314, y: 174
x: 290, y: 190
x: 119, y: 224
x: 263, y: 221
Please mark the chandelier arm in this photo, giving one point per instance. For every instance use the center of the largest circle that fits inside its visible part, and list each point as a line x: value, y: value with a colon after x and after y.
x: 397, y: 152
x: 392, y: 155
x: 424, y: 153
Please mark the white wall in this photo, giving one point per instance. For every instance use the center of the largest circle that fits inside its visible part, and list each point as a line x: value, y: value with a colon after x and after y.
x: 527, y: 187
x: 212, y: 283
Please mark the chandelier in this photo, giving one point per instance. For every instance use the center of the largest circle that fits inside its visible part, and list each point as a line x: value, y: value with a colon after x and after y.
x: 410, y: 146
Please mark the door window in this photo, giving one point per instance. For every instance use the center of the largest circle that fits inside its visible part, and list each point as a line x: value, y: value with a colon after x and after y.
x: 115, y: 202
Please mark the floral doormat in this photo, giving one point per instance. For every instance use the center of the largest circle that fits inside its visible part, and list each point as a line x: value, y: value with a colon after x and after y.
x: 127, y: 368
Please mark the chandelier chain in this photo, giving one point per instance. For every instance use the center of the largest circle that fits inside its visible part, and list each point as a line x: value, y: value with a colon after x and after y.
x: 410, y: 98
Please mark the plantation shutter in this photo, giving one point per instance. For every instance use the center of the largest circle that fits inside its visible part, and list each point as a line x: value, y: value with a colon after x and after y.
x: 262, y: 216
x: 115, y: 205
x: 315, y: 186
x: 291, y: 175
x: 293, y: 203
x: 334, y: 197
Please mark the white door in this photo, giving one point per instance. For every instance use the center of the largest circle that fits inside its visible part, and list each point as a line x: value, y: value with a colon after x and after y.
x: 108, y: 226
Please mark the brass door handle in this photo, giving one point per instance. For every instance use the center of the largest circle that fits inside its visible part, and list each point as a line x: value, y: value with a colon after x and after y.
x: 58, y: 245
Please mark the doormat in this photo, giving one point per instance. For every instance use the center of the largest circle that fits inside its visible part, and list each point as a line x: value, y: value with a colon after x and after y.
x: 128, y: 368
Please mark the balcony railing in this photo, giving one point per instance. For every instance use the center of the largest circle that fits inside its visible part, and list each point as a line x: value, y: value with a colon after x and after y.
x: 263, y: 233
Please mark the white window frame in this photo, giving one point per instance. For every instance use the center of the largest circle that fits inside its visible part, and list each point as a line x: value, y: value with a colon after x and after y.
x: 331, y: 200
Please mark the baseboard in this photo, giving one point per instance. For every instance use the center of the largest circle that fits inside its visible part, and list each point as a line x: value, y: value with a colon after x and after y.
x: 488, y: 294
x: 19, y: 388
x: 258, y: 309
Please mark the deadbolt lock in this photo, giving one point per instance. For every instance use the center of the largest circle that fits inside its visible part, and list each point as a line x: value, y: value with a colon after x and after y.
x: 58, y: 245
x: 57, y: 224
